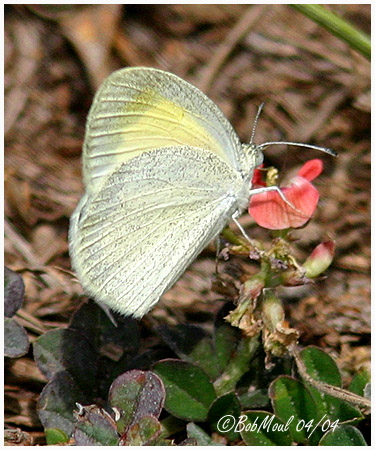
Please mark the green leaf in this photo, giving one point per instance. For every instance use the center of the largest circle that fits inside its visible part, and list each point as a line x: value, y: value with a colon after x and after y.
x: 343, y: 435
x: 359, y: 382
x: 254, y: 399
x: 195, y: 432
x: 227, y: 405
x: 192, y: 344
x: 171, y: 425
x: 290, y: 399
x: 67, y: 350
x: 14, y: 290
x: 321, y: 367
x: 16, y: 342
x: 58, y: 401
x: 95, y: 427
x: 55, y: 436
x: 136, y: 394
x: 226, y: 337
x: 263, y: 428
x: 189, y: 392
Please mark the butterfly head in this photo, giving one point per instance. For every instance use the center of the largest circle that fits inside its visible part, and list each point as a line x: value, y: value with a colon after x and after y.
x: 254, y: 152
x: 254, y: 155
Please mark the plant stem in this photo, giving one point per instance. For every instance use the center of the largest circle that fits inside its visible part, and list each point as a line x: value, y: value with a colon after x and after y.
x: 238, y: 366
x: 231, y: 237
x: 335, y: 24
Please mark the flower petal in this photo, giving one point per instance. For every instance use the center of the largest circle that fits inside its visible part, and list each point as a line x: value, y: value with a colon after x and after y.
x: 270, y: 211
x: 257, y: 177
x: 311, y: 169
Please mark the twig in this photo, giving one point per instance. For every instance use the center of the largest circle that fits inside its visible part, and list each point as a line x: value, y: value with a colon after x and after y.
x: 328, y: 389
x: 21, y: 245
x: 241, y: 29
x: 25, y: 250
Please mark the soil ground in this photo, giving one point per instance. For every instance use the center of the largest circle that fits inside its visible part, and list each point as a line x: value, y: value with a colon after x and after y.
x: 316, y: 89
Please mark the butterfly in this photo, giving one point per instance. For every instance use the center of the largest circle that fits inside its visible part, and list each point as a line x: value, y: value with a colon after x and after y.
x: 164, y: 172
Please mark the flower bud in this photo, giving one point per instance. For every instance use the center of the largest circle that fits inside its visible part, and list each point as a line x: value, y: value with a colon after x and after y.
x: 320, y: 259
x: 272, y: 309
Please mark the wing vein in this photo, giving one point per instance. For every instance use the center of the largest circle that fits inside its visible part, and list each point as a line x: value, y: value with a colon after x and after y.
x: 110, y: 224
x: 150, y: 250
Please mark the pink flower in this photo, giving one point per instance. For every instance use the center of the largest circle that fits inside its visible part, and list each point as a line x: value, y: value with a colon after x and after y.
x: 270, y: 211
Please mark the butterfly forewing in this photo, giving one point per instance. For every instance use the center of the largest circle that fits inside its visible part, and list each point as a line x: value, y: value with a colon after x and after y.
x: 141, y: 109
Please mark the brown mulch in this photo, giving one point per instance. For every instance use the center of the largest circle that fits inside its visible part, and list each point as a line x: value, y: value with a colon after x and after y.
x: 316, y: 90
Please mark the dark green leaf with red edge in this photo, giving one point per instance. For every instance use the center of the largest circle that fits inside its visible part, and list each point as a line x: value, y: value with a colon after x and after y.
x: 16, y: 342
x: 342, y: 436
x: 290, y: 398
x: 136, y: 394
x: 189, y: 392
x: 144, y: 431
x: 321, y: 367
x: 263, y: 428
x: 225, y: 405
x: 58, y: 401
x: 192, y: 344
x: 65, y: 349
x: 14, y: 290
x: 94, y: 427
x: 141, y: 362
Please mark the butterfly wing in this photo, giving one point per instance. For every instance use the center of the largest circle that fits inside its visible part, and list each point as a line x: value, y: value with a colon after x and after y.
x: 132, y: 240
x: 142, y: 109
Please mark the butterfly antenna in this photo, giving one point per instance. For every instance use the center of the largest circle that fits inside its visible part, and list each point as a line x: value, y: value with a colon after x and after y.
x: 256, y: 123
x: 299, y: 144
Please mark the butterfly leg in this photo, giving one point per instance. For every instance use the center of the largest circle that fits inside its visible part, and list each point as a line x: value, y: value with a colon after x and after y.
x: 258, y: 251
x: 108, y: 313
x: 280, y: 192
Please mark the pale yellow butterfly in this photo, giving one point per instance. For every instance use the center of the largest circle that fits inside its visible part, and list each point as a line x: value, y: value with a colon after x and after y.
x: 164, y: 172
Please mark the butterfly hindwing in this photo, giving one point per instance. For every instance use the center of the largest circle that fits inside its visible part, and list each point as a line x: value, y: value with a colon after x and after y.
x: 132, y: 240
